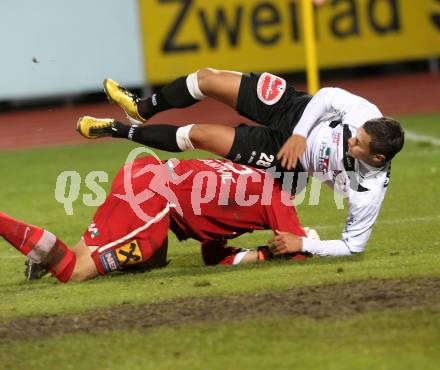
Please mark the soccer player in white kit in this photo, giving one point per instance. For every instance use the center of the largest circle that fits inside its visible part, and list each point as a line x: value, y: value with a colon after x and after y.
x: 336, y: 136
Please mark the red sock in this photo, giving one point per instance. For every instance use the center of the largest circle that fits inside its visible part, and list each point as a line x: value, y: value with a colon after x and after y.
x: 40, y: 245
x: 22, y: 236
x: 216, y: 252
x: 63, y: 263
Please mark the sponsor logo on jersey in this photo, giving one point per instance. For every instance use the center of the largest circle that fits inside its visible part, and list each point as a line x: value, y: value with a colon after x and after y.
x: 324, y: 157
x: 336, y: 138
x: 270, y: 88
x: 93, y: 231
x: 109, y: 261
x: 129, y: 254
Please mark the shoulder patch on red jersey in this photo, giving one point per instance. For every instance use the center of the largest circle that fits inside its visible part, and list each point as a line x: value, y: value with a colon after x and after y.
x: 109, y: 261
x: 270, y: 88
x: 129, y: 254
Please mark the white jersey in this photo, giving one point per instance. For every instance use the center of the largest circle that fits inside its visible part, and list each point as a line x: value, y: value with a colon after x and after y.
x: 329, y: 120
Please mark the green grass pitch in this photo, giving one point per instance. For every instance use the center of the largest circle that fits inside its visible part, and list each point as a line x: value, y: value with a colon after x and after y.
x: 405, y: 244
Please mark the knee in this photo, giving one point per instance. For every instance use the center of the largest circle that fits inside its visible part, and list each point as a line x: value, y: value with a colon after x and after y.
x: 206, y: 79
x: 198, y: 135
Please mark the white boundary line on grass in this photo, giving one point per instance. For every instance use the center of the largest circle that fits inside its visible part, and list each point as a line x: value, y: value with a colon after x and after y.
x: 320, y: 227
x: 418, y: 138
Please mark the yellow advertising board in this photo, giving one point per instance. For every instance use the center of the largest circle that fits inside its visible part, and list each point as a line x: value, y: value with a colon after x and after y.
x: 181, y: 36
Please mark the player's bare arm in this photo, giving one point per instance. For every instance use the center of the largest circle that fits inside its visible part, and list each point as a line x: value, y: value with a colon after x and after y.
x: 294, y: 147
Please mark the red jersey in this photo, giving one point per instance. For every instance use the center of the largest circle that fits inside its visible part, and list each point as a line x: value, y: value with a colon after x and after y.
x: 201, y: 199
x: 218, y: 199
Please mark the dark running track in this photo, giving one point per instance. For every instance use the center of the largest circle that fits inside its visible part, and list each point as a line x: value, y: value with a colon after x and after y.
x: 395, y: 95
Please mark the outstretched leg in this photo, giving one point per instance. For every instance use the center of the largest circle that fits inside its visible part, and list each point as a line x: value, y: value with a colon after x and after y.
x: 43, y: 247
x: 182, y: 92
x: 217, y: 139
x: 220, y: 85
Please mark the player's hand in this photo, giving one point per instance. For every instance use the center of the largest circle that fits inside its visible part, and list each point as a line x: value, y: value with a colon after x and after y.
x: 291, y: 150
x: 284, y: 242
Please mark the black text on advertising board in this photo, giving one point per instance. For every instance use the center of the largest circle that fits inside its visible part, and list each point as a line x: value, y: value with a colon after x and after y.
x: 266, y: 21
x: 435, y: 16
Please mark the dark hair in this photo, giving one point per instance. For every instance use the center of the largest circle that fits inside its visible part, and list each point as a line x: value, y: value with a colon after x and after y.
x: 387, y: 136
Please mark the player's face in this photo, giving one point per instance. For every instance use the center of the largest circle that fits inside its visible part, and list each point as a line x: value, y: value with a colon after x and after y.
x: 359, y: 146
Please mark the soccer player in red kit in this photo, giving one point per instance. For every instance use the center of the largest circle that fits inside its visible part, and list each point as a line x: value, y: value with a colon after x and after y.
x: 207, y: 200
x: 220, y: 200
x: 339, y: 138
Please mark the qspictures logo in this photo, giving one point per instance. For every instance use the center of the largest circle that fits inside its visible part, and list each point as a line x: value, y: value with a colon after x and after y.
x: 202, y: 186
x: 435, y: 15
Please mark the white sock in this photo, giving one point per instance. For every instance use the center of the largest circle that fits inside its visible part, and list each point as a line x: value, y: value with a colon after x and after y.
x: 239, y: 256
x: 43, y: 247
x: 193, y: 86
x: 182, y: 138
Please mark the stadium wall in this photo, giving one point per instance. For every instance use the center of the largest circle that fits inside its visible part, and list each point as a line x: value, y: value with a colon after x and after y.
x: 53, y: 47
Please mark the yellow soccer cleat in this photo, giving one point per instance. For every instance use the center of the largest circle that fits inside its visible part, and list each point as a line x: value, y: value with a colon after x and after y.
x: 125, y: 99
x: 94, y: 128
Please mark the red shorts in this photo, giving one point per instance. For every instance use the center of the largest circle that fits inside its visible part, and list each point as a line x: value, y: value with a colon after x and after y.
x: 122, y: 233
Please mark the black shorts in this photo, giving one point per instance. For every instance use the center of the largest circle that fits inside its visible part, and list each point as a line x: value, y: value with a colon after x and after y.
x: 268, y: 100
x: 277, y: 106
